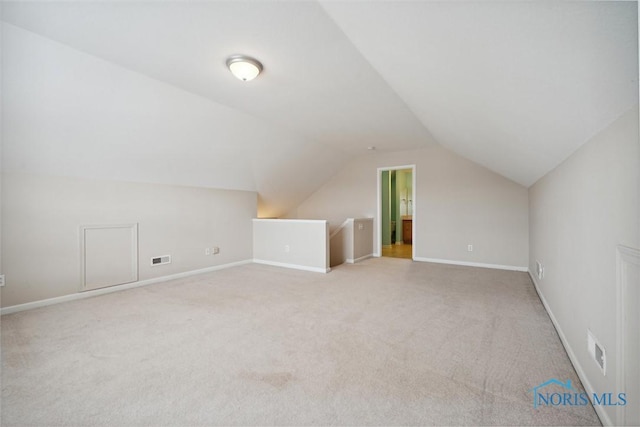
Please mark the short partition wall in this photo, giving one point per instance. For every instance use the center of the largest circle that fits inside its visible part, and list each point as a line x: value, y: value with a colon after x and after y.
x: 352, y: 241
x: 302, y: 244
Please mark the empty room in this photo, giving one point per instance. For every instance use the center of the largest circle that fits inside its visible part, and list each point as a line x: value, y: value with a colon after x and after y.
x: 319, y: 213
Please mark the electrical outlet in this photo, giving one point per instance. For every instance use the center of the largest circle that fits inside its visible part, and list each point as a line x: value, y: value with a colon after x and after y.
x: 216, y: 250
x: 539, y: 270
x: 207, y: 251
x: 1, y: 279
x: 470, y: 248
x: 360, y: 226
x: 287, y: 248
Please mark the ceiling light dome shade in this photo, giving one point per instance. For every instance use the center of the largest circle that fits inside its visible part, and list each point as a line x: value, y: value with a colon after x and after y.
x: 243, y: 67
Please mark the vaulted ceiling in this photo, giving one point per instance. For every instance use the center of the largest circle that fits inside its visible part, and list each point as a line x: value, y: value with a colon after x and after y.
x: 514, y: 86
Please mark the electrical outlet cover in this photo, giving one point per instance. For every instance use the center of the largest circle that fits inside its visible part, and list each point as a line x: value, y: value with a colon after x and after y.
x: 539, y: 270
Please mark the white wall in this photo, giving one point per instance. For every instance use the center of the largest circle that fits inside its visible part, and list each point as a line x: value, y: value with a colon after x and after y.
x: 1, y: 132
x: 579, y: 213
x: 300, y: 244
x: 42, y: 215
x: 458, y: 202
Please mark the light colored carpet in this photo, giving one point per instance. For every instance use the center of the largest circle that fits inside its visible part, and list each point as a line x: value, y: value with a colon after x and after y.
x: 383, y: 342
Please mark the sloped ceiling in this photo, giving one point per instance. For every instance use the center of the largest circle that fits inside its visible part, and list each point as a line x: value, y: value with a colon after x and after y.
x: 516, y: 86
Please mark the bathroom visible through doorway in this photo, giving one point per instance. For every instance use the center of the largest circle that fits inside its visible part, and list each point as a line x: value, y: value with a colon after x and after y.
x: 396, y: 211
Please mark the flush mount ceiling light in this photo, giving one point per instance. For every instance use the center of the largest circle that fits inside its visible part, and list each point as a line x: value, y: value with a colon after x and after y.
x: 244, y: 67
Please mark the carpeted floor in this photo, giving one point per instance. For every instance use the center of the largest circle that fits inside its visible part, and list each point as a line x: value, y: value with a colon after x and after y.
x: 383, y: 342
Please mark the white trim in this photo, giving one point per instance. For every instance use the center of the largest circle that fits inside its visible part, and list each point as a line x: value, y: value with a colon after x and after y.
x: 624, y: 255
x: 572, y: 357
x: 472, y: 264
x: 314, y: 221
x: 378, y: 216
x: 116, y: 288
x: 362, y: 258
x: 293, y: 266
x: 414, y: 234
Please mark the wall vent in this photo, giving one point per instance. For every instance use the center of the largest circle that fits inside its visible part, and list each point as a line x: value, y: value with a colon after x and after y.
x: 164, y: 259
x: 597, y: 352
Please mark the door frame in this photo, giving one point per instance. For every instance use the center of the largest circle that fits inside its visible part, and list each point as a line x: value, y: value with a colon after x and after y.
x: 378, y: 216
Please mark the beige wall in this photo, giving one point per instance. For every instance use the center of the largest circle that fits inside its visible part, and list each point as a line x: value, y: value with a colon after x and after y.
x: 579, y: 213
x: 42, y: 215
x: 301, y: 244
x: 341, y: 243
x: 458, y: 202
x: 362, y: 238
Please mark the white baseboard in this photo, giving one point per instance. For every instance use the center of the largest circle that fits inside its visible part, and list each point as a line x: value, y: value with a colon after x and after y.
x: 293, y: 266
x: 572, y: 356
x: 362, y: 258
x: 116, y: 288
x: 472, y: 264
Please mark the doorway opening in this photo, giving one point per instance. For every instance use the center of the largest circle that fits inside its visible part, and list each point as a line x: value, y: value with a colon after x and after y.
x: 396, y: 212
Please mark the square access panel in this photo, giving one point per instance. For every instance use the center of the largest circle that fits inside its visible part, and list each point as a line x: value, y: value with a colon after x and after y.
x: 109, y: 255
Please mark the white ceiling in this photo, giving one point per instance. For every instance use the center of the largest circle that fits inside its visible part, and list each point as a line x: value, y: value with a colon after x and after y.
x: 315, y: 81
x: 515, y: 86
